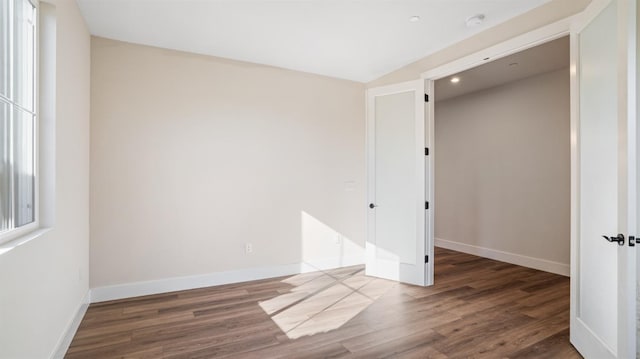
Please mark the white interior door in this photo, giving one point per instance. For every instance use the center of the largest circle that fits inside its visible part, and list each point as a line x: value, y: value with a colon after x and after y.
x: 396, y: 245
x: 604, y: 182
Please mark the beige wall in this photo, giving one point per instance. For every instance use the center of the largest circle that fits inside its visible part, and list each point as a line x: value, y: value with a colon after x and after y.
x: 503, y: 168
x: 43, y: 281
x: 548, y: 13
x: 194, y: 156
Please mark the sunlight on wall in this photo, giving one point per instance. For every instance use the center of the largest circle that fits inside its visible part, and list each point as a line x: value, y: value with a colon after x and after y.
x: 323, y: 301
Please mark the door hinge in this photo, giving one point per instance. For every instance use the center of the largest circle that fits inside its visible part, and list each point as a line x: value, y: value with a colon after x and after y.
x: 426, y: 258
x: 426, y: 205
x: 426, y: 98
x: 426, y: 151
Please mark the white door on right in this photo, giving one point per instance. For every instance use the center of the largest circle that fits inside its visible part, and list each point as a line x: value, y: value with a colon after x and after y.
x: 603, y: 263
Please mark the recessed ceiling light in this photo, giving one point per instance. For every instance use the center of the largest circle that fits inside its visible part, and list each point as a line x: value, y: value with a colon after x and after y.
x: 414, y: 19
x: 475, y: 20
x: 455, y: 80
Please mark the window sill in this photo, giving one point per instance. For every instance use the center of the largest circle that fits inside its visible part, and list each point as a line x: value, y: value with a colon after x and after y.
x: 25, y: 238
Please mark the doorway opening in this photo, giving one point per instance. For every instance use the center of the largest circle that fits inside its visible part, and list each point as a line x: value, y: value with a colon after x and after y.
x: 502, y: 159
x: 502, y: 183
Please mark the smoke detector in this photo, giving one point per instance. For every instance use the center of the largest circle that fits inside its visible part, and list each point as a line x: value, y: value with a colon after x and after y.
x: 475, y: 20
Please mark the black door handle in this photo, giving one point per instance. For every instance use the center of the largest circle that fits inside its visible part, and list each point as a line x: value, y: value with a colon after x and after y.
x: 372, y: 206
x: 619, y: 239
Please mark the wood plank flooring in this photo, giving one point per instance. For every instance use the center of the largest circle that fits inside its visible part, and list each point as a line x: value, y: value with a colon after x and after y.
x: 478, y: 308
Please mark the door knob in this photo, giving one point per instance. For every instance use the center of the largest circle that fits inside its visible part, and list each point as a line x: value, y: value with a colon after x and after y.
x: 371, y: 205
x: 619, y: 239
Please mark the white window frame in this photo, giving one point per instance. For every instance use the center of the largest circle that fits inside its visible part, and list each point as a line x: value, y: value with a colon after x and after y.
x: 21, y: 232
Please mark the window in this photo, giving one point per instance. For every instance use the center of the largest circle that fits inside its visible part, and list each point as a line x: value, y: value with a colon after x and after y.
x: 17, y: 116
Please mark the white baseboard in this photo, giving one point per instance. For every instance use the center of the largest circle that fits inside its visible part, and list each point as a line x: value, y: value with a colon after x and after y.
x: 529, y: 262
x: 129, y: 290
x: 72, y: 328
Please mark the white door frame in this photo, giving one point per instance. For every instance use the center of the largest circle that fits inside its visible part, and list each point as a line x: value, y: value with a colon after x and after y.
x: 568, y: 26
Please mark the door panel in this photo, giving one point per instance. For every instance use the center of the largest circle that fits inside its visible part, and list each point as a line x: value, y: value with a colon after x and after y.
x: 396, y: 233
x: 599, y: 180
x: 395, y: 173
x: 603, y: 273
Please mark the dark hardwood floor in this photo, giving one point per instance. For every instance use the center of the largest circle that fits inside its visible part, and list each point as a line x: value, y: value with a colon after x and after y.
x: 478, y: 308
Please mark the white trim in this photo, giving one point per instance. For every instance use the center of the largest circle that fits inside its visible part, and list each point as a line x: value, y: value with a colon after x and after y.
x: 627, y: 268
x: 518, y: 259
x: 17, y: 242
x: 18, y: 233
x: 590, y: 13
x: 588, y: 342
x: 136, y: 289
x: 47, y: 114
x: 574, y: 126
x: 400, y: 87
x: 430, y: 179
x: 72, y: 328
x: 517, y: 44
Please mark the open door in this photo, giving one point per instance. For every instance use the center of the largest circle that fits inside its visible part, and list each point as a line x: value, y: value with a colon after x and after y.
x: 604, y: 182
x: 397, y: 240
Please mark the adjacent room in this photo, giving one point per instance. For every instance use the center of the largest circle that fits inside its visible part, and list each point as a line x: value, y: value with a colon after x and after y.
x: 502, y: 154
x: 315, y: 179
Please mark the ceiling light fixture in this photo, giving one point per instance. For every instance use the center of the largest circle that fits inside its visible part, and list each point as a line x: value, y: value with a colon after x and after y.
x: 475, y: 20
x: 414, y: 19
x: 455, y: 80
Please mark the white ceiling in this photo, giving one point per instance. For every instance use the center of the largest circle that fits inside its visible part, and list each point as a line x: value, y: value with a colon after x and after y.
x: 358, y: 40
x: 553, y: 55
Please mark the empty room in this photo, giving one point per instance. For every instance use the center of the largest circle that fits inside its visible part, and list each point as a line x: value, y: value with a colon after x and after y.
x: 500, y: 169
x: 315, y: 179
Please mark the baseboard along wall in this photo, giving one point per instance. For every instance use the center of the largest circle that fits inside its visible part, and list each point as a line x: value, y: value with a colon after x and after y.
x: 129, y: 290
x: 525, y: 261
x: 72, y: 328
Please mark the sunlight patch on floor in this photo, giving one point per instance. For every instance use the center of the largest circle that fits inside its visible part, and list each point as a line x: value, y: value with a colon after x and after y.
x: 323, y: 301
